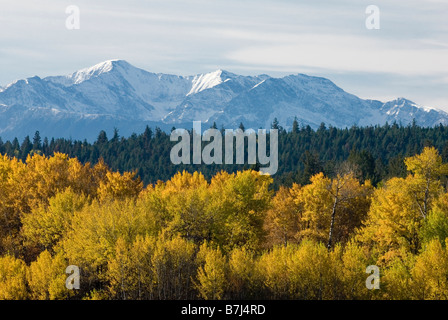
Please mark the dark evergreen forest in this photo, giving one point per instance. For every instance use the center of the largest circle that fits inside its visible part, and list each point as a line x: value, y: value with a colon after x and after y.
x: 375, y: 152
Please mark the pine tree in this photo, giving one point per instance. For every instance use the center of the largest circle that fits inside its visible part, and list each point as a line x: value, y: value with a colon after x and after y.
x: 37, y: 141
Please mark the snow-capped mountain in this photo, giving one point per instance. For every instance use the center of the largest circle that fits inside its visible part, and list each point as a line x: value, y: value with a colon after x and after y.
x: 116, y: 94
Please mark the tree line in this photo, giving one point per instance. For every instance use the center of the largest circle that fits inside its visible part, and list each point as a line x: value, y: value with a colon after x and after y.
x: 377, y: 152
x: 229, y: 237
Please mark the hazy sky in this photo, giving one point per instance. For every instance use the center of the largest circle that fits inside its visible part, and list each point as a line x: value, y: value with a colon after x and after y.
x: 406, y: 57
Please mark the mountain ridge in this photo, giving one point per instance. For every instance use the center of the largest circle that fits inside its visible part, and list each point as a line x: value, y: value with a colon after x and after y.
x: 115, y: 93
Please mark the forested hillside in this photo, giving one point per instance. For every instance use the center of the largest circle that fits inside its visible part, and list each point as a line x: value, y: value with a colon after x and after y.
x: 232, y: 237
x: 376, y: 152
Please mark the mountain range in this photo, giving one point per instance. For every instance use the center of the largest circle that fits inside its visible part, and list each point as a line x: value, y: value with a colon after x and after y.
x: 115, y: 94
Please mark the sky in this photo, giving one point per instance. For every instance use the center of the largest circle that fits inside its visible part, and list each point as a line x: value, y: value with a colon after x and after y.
x: 406, y: 57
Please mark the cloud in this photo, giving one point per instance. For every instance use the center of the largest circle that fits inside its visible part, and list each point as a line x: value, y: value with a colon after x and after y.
x: 324, y: 37
x: 344, y: 53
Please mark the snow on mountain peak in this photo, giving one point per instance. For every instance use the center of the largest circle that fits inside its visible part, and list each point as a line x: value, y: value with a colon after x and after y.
x: 100, y: 68
x: 401, y: 102
x: 90, y: 72
x: 205, y: 81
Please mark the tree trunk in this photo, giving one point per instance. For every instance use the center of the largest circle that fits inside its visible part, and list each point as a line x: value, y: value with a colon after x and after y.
x: 333, y: 214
